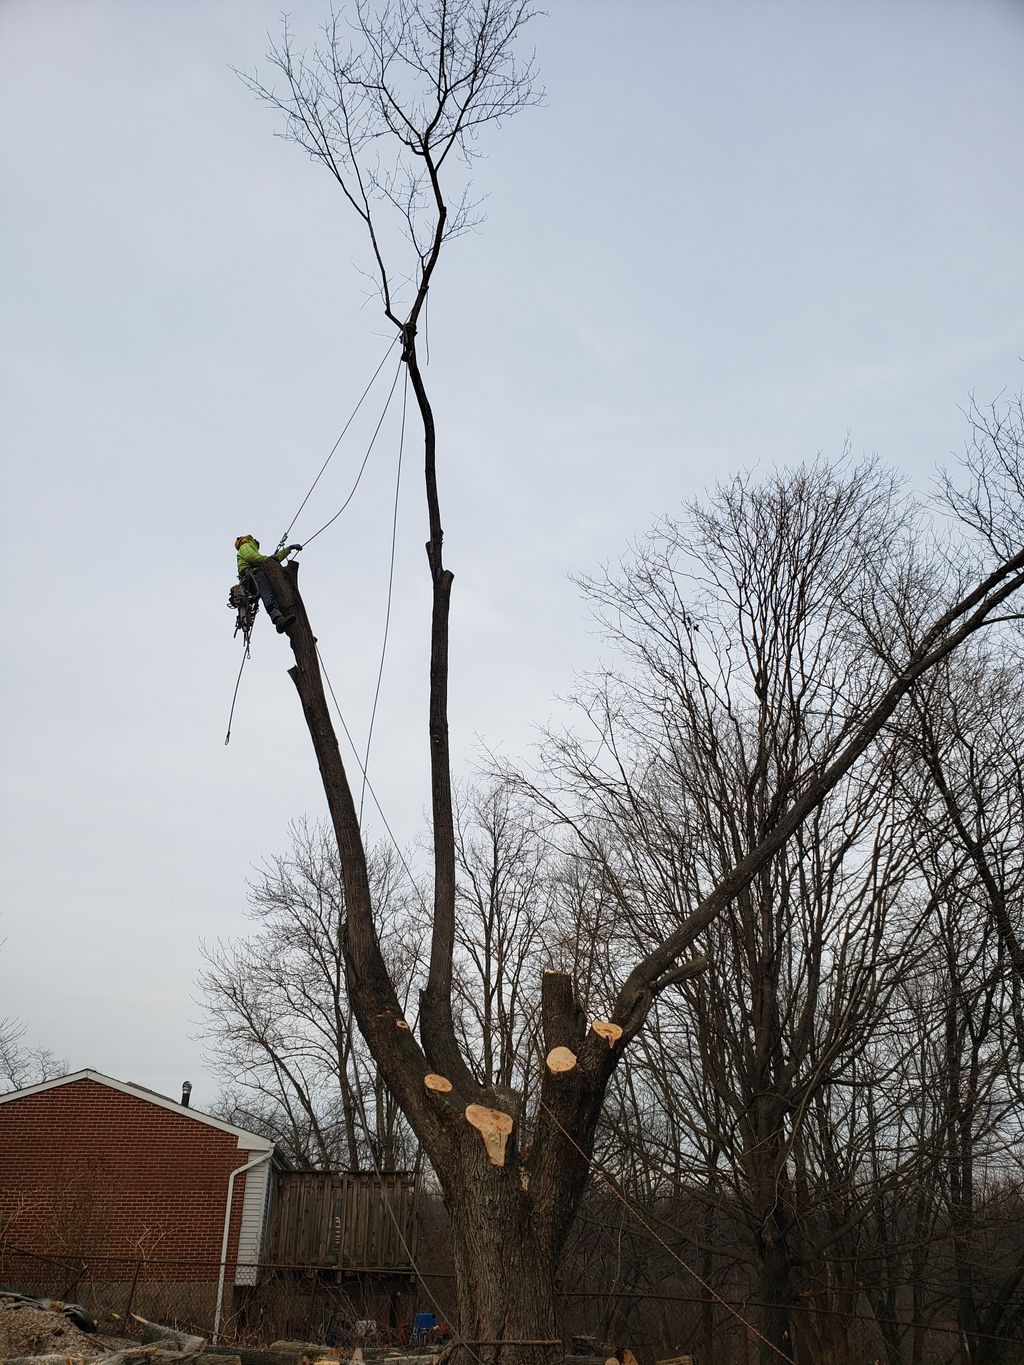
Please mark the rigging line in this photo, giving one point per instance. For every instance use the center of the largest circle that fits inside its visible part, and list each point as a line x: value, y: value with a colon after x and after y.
x: 369, y: 449
x: 339, y: 440
x: 391, y: 585
x: 234, y: 695
x: 598, y: 1169
x: 369, y: 785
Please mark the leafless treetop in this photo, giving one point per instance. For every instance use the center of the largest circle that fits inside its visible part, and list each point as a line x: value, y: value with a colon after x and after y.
x: 384, y: 99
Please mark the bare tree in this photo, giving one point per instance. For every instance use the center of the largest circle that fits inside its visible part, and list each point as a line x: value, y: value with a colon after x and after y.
x: 990, y: 500
x: 844, y: 1053
x: 280, y: 1030
x: 20, y: 1065
x: 701, y: 744
x: 425, y: 76
x: 965, y: 732
x: 966, y: 1002
x: 506, y: 922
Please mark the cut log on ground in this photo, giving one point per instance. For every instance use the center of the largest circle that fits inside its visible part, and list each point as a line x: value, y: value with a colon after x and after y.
x: 170, y: 1339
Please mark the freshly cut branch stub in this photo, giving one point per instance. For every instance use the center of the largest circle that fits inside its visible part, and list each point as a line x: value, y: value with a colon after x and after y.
x: 604, y: 1028
x: 441, y: 1084
x: 494, y: 1126
x: 560, y: 1059
x: 400, y: 1023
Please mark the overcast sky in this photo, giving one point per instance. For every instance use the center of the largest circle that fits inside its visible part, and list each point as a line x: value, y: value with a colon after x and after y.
x: 736, y: 233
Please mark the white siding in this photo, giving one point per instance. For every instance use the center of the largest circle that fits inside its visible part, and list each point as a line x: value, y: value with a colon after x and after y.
x: 254, y: 1209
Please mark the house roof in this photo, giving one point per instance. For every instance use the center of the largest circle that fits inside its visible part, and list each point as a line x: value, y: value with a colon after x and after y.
x: 249, y: 1142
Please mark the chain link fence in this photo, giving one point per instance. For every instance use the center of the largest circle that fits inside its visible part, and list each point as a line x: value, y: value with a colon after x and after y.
x: 263, y: 1303
x: 259, y: 1303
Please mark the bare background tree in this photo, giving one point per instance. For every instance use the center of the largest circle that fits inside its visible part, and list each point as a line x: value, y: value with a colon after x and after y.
x: 278, y: 1016
x: 507, y: 922
x: 22, y: 1064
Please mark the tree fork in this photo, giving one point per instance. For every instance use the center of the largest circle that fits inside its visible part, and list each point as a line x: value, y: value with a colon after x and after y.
x: 509, y: 1221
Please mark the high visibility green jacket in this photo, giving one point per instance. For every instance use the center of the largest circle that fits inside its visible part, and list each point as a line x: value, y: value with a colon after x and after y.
x: 249, y: 555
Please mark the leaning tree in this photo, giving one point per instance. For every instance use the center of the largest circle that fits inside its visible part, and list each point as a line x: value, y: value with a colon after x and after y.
x: 391, y: 102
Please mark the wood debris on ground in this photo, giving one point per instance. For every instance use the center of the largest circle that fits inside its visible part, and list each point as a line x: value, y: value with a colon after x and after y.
x: 36, y: 1336
x: 28, y: 1331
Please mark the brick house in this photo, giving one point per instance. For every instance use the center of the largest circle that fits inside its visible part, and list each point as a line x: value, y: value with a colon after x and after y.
x: 100, y: 1170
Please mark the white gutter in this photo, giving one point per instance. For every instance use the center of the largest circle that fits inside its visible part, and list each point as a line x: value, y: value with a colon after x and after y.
x: 256, y: 1161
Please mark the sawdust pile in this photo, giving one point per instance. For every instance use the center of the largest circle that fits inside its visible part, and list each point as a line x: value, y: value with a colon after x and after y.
x: 27, y: 1331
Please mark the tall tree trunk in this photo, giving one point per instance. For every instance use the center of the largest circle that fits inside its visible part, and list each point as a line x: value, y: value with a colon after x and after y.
x: 777, y: 1296
x: 917, y: 1339
x: 505, y: 1274
x: 890, y: 1333
x: 436, y: 1016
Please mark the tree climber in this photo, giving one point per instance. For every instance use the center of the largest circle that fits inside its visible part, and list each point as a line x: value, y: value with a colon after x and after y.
x: 249, y: 570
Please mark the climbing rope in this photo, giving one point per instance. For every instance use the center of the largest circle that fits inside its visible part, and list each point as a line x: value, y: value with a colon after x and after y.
x: 366, y: 457
x: 369, y: 784
x: 391, y: 585
x: 331, y: 522
x: 351, y: 495
x: 234, y: 695
x: 337, y: 443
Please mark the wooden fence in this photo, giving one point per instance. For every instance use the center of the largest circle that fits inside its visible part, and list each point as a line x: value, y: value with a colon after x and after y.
x: 343, y: 1221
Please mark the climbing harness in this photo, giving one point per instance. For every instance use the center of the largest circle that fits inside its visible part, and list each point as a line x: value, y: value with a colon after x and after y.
x: 244, y: 601
x: 234, y: 697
